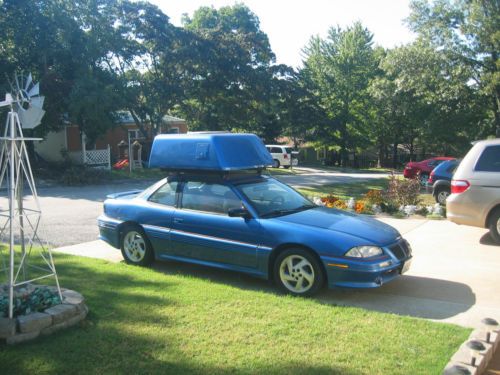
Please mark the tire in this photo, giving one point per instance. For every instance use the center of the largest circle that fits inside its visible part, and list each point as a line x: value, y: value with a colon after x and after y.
x: 423, y: 177
x: 276, y: 163
x: 441, y: 195
x: 135, y: 246
x: 286, y: 166
x: 495, y: 225
x: 293, y: 281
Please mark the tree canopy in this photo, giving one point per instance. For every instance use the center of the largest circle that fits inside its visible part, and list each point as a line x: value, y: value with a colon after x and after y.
x: 95, y: 58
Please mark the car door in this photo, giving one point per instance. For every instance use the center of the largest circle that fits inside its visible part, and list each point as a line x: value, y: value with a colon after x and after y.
x: 202, y: 229
x: 157, y: 216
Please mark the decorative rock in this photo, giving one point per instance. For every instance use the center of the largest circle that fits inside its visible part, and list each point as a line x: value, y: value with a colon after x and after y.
x: 7, y: 327
x: 34, y: 322
x: 351, y: 204
x: 72, y: 297
x: 19, y: 338
x: 67, y: 323
x: 61, y: 312
x: 459, y: 369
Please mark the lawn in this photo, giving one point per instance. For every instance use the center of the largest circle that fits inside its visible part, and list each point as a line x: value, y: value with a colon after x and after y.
x: 357, y: 190
x: 188, y: 319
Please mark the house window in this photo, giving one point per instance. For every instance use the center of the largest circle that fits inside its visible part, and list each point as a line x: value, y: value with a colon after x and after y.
x: 173, y: 130
x: 134, y: 134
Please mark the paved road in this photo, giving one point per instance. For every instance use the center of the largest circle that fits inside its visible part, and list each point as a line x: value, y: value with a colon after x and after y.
x: 69, y: 213
x: 316, y: 177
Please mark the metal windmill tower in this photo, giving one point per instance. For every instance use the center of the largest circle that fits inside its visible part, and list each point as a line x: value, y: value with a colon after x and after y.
x: 20, y: 222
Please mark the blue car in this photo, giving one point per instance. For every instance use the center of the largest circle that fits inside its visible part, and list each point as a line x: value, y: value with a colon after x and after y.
x: 244, y: 221
x: 439, y: 182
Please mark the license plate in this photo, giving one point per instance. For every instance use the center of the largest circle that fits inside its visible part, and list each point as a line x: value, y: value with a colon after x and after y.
x: 406, y: 266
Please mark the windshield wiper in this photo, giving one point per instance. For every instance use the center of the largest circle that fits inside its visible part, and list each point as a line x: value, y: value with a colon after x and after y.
x: 288, y: 211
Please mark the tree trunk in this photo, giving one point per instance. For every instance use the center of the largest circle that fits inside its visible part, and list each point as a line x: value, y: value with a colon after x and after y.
x: 395, y: 155
x: 381, y: 148
x: 343, y: 146
x: 139, y: 124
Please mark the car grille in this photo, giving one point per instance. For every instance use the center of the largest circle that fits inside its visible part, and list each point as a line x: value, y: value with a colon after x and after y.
x: 401, y: 250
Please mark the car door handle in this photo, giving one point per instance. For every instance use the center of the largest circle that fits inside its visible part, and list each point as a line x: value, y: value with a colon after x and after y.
x: 178, y: 220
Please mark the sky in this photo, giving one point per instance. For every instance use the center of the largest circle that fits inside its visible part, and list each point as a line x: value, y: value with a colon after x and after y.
x: 290, y: 24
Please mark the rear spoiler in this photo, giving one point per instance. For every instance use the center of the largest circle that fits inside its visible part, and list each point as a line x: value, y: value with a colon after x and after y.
x: 123, y: 194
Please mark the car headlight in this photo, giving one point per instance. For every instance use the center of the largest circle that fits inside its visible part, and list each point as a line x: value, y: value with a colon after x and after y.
x: 364, y: 252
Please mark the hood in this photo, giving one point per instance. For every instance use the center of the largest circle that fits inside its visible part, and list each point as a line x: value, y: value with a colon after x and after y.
x: 371, y: 230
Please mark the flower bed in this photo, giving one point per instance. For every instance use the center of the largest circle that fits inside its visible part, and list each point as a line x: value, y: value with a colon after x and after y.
x: 400, y: 199
x: 39, y: 311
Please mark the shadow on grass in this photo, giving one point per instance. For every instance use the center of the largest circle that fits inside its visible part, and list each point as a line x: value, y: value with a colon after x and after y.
x: 122, y: 332
x: 419, y: 297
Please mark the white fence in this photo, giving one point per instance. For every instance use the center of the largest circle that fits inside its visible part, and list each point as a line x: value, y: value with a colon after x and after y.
x: 93, y: 158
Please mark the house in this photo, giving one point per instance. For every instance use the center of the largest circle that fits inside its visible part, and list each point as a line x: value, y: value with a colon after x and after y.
x: 106, y: 149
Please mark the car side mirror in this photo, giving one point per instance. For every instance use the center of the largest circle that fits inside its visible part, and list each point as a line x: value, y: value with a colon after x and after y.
x: 239, y: 212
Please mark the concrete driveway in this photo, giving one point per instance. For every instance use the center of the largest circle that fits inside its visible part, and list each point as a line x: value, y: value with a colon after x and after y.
x: 454, y: 276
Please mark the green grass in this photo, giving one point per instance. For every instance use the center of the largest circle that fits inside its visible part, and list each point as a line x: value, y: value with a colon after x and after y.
x: 346, y: 190
x: 187, y: 319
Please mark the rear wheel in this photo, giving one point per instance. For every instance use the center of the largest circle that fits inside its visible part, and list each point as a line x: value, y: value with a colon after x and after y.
x: 298, y: 272
x: 441, y: 196
x: 135, y: 246
x: 495, y: 226
x: 276, y: 163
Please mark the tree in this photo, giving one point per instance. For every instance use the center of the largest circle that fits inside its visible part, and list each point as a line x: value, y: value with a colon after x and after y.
x: 468, y: 32
x: 422, y: 98
x: 229, y: 74
x: 338, y: 70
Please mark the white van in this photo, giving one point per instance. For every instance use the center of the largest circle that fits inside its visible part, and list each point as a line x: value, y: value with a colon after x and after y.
x: 283, y: 156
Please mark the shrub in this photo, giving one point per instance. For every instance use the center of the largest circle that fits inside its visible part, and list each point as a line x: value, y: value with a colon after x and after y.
x: 374, y: 197
x: 403, y: 192
x: 80, y: 175
x: 39, y: 299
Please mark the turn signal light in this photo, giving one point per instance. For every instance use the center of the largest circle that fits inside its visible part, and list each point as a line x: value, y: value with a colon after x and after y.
x: 459, y: 186
x: 285, y: 156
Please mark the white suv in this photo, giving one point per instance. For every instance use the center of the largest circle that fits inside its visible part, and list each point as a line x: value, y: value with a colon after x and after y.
x: 283, y: 155
x: 475, y: 188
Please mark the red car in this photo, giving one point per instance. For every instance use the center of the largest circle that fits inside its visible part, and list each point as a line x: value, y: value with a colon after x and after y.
x: 423, y: 168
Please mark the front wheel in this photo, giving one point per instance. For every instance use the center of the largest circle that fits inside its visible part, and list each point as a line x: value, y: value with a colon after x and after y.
x: 276, y: 163
x: 495, y: 226
x: 296, y: 271
x: 135, y: 247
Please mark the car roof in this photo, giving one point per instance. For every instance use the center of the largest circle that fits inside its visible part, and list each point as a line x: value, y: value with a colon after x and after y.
x: 487, y: 142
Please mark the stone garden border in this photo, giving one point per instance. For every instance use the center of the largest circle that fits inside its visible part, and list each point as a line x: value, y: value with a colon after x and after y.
x: 71, y: 311
x: 461, y: 361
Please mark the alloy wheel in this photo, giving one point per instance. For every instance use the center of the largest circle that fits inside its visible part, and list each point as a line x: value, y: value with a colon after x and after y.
x: 442, y: 195
x: 134, y: 246
x: 296, y: 274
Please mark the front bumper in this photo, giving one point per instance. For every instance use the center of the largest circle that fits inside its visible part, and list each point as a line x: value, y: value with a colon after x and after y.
x: 109, y: 230
x: 353, y: 273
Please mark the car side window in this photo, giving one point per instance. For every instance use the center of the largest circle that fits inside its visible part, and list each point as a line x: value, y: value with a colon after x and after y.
x: 215, y: 198
x: 275, y: 150
x: 489, y: 161
x: 165, y: 194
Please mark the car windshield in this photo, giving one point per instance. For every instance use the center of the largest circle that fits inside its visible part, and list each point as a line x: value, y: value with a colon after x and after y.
x: 288, y: 150
x: 272, y: 198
